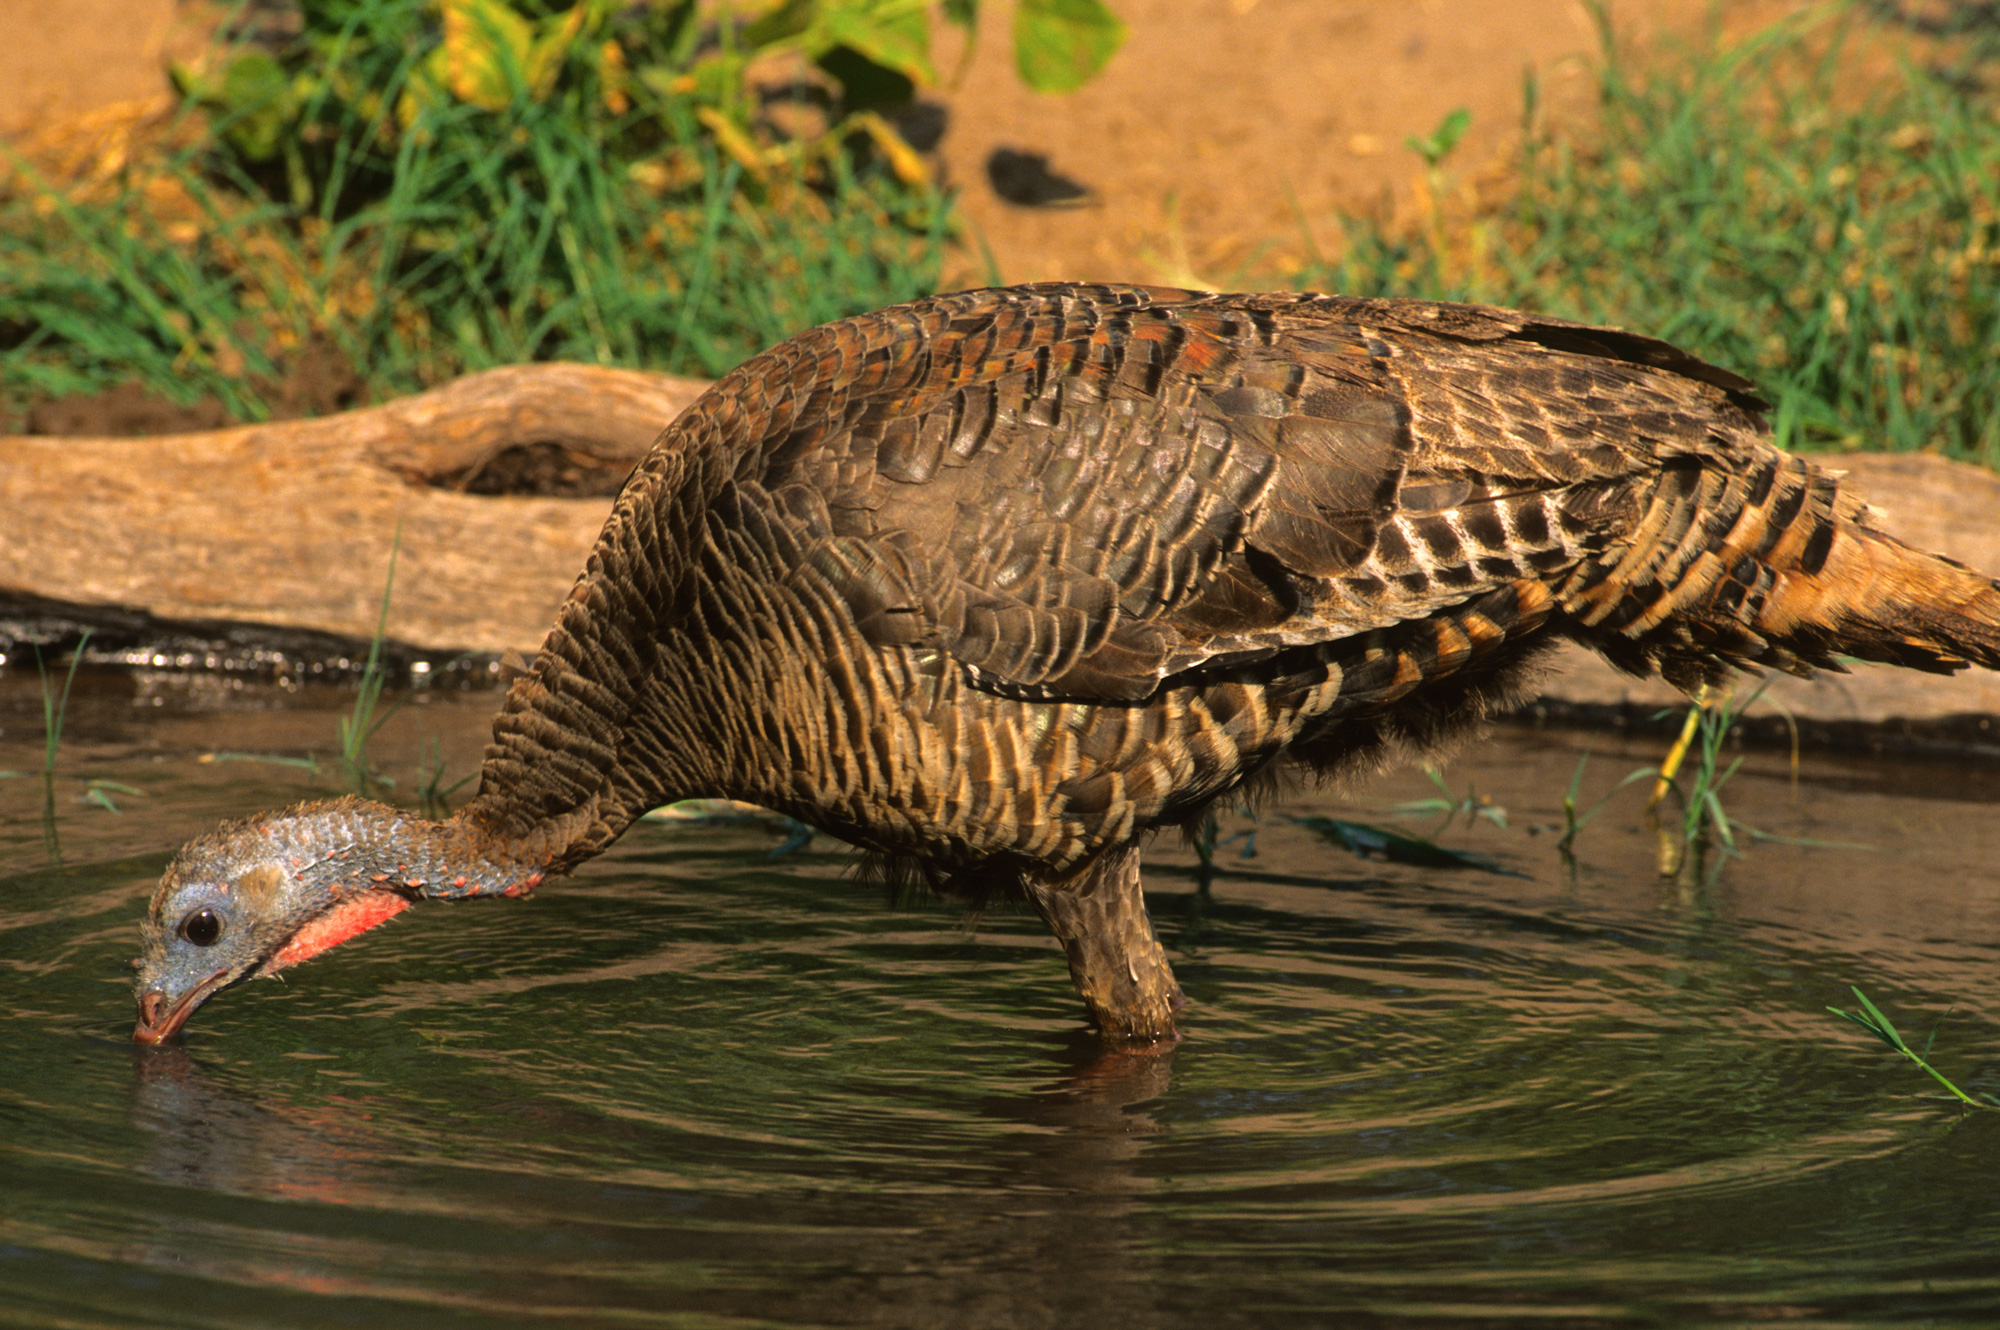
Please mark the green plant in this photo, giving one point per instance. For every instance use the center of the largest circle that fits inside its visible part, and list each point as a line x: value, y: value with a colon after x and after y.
x: 360, y: 726
x: 1573, y: 821
x: 54, y: 708
x: 1435, y: 146
x: 1709, y: 723
x: 420, y: 190
x: 1472, y: 806
x: 100, y: 790
x: 1871, y: 1019
x: 433, y: 795
x: 1207, y: 841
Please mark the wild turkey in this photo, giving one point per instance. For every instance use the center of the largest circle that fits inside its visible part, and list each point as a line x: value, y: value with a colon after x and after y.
x: 994, y: 584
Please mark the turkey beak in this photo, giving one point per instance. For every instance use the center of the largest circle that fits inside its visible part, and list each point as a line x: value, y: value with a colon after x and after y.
x: 161, y: 1015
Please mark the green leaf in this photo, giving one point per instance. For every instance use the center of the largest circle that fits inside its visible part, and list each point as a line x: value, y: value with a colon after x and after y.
x: 787, y: 21
x: 1865, y: 1024
x: 891, y: 33
x: 303, y: 763
x: 99, y: 792
x: 714, y: 80
x: 1060, y: 45
x: 257, y: 100
x: 1882, y: 1022
x: 1435, y: 146
x: 548, y: 51
x: 965, y: 13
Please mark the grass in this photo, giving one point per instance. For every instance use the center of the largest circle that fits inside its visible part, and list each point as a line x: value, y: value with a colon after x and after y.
x: 1703, y: 817
x: 1574, y: 821
x: 1704, y: 822
x: 418, y: 238
x: 1870, y: 1018
x: 55, y: 710
x: 360, y: 726
x: 356, y: 730
x: 1836, y: 238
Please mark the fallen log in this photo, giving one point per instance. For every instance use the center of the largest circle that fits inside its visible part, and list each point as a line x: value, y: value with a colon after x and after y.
x: 266, y: 547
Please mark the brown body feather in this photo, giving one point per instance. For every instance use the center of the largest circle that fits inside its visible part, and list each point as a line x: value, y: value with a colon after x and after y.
x: 994, y: 583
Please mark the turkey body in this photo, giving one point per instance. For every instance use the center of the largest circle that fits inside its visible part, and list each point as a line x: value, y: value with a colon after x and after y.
x: 994, y: 584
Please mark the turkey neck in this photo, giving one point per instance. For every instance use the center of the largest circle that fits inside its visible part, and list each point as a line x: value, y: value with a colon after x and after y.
x: 362, y: 843
x: 570, y: 765
x: 580, y: 748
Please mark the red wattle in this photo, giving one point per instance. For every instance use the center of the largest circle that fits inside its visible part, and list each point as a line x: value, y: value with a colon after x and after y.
x: 357, y: 914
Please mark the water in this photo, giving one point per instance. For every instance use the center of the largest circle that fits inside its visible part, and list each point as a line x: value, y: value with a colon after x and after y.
x: 697, y: 1086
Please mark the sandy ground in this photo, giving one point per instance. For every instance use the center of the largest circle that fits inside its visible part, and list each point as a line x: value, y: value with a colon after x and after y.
x: 1226, y: 135
x: 1220, y: 142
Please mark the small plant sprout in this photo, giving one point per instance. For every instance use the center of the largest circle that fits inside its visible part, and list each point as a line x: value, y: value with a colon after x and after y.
x: 1209, y: 841
x: 1573, y: 821
x: 1709, y: 722
x: 54, y: 708
x: 99, y: 792
x: 432, y: 793
x: 363, y: 723
x: 1435, y: 146
x: 1871, y: 1019
x: 1472, y: 806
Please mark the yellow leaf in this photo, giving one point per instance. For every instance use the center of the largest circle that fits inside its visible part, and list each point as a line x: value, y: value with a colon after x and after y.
x: 545, y: 57
x: 485, y: 49
x: 905, y: 161
x: 732, y: 139
x: 611, y: 62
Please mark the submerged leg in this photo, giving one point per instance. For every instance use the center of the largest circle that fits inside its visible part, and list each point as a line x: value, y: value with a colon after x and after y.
x: 1114, y: 959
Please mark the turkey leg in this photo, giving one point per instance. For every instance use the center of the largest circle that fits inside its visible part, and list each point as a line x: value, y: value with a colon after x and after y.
x: 1114, y: 959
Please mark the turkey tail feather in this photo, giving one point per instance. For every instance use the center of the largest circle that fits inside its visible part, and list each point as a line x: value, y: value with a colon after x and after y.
x: 1772, y: 563
x: 1878, y: 599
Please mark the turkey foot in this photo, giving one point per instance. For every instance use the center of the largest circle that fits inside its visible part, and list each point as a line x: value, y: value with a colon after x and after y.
x: 1115, y: 960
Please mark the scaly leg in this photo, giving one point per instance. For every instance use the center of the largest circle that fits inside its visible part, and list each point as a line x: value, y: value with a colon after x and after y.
x: 1114, y: 959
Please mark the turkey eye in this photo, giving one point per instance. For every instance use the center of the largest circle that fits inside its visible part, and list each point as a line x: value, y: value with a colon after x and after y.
x: 202, y: 928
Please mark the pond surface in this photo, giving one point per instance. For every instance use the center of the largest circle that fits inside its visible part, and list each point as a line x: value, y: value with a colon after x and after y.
x: 700, y: 1086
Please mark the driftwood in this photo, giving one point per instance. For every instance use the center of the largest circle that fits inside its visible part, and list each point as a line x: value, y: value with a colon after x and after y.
x: 266, y: 546
x: 270, y: 544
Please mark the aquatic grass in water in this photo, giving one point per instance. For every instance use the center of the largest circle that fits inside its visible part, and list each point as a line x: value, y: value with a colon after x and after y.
x: 1707, y: 728
x: 1835, y: 239
x: 1472, y: 805
x: 364, y: 723
x: 1871, y: 1019
x: 433, y: 795
x: 1573, y: 821
x: 359, y: 727
x: 54, y: 708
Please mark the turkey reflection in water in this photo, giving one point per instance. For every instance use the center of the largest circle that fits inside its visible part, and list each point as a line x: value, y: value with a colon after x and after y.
x: 695, y: 1085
